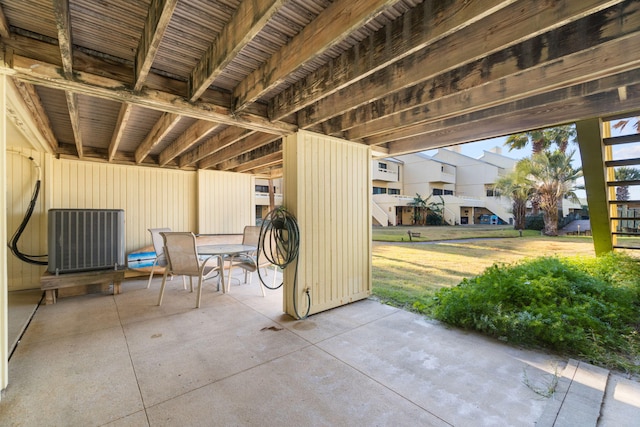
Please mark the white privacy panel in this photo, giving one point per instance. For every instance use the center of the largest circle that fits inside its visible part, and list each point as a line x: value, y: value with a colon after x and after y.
x: 150, y: 197
x: 226, y: 202
x: 327, y: 187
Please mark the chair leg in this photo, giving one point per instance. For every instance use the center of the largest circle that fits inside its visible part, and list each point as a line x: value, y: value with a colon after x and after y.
x: 190, y: 283
x: 164, y: 282
x: 199, y: 292
x: 153, y: 266
x: 184, y: 284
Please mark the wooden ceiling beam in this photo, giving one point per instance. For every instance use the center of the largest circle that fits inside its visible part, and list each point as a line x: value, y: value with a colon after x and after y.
x: 330, y: 27
x: 271, y: 153
x: 225, y: 138
x: 159, y: 130
x: 5, y: 33
x: 268, y: 161
x: 44, y: 74
x: 118, y: 133
x: 190, y: 137
x: 248, y: 20
x: 74, y: 116
x: 65, y: 44
x: 418, y: 27
x: 558, y: 107
x: 244, y: 146
x: 481, y: 92
x: 501, y: 31
x: 32, y: 103
x: 158, y: 19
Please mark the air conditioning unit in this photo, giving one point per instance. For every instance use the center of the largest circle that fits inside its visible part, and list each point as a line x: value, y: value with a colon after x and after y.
x: 85, y: 240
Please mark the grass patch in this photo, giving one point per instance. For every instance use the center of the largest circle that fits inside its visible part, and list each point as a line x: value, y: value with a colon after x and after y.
x: 582, y: 307
x: 432, y: 233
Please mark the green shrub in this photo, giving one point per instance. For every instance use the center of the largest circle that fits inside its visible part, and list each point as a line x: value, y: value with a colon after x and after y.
x: 588, y: 308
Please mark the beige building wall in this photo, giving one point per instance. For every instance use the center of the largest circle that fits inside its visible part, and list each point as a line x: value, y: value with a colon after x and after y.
x: 226, y: 202
x: 328, y: 188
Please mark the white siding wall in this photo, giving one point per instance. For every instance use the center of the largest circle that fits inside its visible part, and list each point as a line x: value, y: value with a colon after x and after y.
x: 227, y: 202
x: 328, y: 188
x: 150, y: 197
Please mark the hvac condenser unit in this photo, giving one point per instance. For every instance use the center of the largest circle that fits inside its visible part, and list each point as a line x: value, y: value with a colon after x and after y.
x: 85, y: 239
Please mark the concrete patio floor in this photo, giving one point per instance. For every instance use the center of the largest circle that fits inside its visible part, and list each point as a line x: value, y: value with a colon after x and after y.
x: 238, y: 360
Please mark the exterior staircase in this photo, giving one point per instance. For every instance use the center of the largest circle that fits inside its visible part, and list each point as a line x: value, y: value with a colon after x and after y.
x: 586, y: 395
x: 615, y: 224
x: 624, y: 214
x: 379, y: 215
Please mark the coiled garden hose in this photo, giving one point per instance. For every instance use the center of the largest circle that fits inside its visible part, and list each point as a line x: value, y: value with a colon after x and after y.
x: 279, y: 242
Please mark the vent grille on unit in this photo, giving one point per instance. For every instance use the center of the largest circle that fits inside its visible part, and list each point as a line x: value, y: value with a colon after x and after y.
x: 85, y: 239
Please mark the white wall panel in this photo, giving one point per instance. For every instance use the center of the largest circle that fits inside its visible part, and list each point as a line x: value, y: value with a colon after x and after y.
x: 327, y: 187
x: 150, y: 197
x: 226, y: 202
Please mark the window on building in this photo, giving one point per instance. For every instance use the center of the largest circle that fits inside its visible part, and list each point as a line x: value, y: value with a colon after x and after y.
x: 448, y: 192
x: 379, y: 190
x: 437, y: 192
x: 394, y: 191
x: 382, y: 165
x: 262, y: 188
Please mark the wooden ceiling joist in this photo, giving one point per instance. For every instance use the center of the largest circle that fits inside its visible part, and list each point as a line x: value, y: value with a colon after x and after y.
x: 214, y: 144
x: 384, y: 47
x: 193, y: 135
x: 332, y: 26
x: 247, y: 144
x: 160, y: 129
x: 44, y: 74
x: 489, y: 35
x: 249, y: 20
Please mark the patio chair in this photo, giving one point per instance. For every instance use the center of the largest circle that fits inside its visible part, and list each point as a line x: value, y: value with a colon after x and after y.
x: 182, y: 259
x: 248, y: 262
x: 158, y: 247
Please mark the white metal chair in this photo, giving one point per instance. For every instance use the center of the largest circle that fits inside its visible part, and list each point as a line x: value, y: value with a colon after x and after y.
x: 182, y: 259
x: 248, y: 262
x: 158, y: 247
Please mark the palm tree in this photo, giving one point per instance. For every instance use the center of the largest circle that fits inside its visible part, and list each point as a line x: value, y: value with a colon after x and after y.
x: 419, y: 204
x: 518, y: 186
x: 625, y: 174
x: 554, y: 179
x: 543, y: 139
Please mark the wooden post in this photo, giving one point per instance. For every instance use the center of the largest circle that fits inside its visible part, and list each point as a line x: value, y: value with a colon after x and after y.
x: 592, y: 152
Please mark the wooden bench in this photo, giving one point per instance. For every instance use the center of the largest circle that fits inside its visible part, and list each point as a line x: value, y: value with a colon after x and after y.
x: 50, y: 283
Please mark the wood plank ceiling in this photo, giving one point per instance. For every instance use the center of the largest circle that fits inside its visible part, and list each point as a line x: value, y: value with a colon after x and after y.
x: 216, y: 83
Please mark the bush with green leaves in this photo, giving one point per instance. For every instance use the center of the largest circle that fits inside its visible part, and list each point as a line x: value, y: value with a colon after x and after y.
x: 583, y: 307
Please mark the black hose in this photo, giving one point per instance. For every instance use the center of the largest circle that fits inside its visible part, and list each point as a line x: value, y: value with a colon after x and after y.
x: 279, y: 242
x: 13, y: 243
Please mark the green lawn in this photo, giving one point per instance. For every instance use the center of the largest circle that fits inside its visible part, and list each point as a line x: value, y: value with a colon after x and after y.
x: 400, y: 234
x: 406, y: 272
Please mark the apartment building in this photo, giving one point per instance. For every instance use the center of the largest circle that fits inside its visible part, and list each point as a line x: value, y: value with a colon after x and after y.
x: 464, y: 184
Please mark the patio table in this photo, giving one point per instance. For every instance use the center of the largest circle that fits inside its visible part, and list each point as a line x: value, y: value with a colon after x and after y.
x: 226, y: 250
